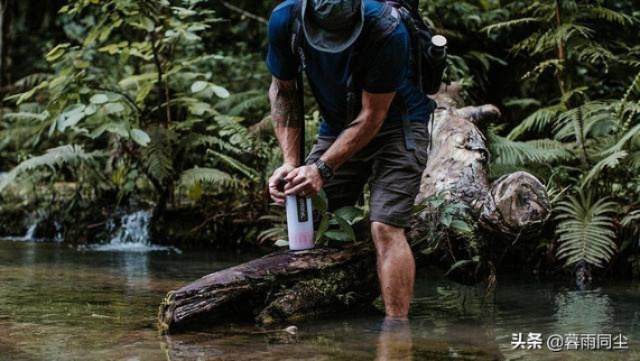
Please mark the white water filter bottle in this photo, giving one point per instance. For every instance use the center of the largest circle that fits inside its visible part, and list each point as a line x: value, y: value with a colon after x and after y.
x: 299, y: 222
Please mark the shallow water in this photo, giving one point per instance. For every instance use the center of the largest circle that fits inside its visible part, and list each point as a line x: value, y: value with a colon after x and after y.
x: 57, y: 303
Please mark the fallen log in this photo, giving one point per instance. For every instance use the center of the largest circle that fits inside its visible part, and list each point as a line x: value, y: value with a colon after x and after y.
x: 289, y: 286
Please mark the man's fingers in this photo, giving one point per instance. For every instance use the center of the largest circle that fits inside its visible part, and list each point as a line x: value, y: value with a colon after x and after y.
x: 300, y: 178
x: 277, y: 196
x: 302, y: 187
x: 292, y: 175
x: 278, y: 200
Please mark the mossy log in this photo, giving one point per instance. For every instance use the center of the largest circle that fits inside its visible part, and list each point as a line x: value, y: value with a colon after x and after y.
x: 287, y: 286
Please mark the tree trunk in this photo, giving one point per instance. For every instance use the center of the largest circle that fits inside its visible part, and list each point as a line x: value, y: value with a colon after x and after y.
x: 289, y: 286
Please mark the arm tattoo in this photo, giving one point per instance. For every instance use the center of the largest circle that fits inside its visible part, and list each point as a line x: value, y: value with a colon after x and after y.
x: 284, y: 104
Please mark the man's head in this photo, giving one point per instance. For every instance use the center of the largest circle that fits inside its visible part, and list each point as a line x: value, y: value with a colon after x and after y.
x: 332, y: 25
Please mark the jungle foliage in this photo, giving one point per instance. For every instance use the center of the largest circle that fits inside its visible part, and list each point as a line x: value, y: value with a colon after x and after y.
x: 165, y: 100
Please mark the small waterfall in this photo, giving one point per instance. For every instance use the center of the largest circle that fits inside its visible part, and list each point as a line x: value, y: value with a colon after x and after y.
x: 131, y: 234
x: 28, y: 236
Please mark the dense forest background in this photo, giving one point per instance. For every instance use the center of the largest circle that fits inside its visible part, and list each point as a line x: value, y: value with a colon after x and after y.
x: 114, y: 105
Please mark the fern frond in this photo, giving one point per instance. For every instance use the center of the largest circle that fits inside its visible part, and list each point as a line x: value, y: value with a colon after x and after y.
x: 231, y: 129
x: 633, y: 88
x: 633, y: 218
x: 550, y: 38
x: 630, y: 134
x: 52, y: 158
x: 515, y: 153
x: 485, y: 59
x: 594, y: 53
x: 509, y: 24
x: 612, y: 16
x: 522, y: 103
x: 586, y: 231
x: 215, y: 142
x: 610, y: 162
x: 157, y: 157
x: 240, y: 103
x: 278, y: 229
x: 31, y: 80
x: 527, y: 45
x: 556, y: 64
x: 634, y: 161
x: 237, y: 165
x: 579, y: 121
x: 26, y: 116
x: 537, y: 121
x: 192, y: 176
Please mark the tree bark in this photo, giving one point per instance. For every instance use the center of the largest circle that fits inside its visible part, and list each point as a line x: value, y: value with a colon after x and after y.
x: 289, y: 286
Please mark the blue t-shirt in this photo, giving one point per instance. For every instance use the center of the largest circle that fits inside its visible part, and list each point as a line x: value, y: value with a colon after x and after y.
x: 385, y: 70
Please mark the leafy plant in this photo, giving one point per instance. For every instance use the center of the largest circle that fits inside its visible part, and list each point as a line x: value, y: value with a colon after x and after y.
x: 451, y: 215
x: 133, y: 81
x: 586, y: 230
x: 54, y: 158
x: 334, y: 226
x: 584, y: 132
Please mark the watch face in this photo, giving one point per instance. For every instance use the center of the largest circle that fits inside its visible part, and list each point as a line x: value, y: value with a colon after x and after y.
x: 325, y: 170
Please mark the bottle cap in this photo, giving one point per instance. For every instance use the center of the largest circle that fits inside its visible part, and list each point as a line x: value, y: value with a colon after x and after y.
x: 439, y: 41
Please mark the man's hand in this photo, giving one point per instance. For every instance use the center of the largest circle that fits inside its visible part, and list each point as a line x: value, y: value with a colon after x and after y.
x: 281, y: 172
x: 304, y: 181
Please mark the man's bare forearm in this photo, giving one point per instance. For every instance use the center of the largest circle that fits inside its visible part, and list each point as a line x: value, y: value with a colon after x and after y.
x: 286, y: 119
x: 361, y: 131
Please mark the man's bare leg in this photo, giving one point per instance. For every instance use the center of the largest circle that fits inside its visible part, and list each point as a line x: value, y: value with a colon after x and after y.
x: 396, y: 268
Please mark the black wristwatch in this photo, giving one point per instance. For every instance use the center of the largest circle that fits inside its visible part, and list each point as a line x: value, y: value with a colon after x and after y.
x: 326, y: 171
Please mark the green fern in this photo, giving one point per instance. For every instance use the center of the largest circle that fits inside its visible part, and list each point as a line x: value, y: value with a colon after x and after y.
x: 193, y: 176
x: 157, y: 157
x: 52, y: 158
x: 596, y: 117
x: 586, y: 231
x: 240, y: 103
x: 634, y: 161
x: 237, y: 165
x: 215, y: 142
x: 26, y: 117
x: 509, y: 24
x: 612, y: 16
x: 515, y: 153
x: 631, y: 219
x: 32, y: 80
x: 278, y: 229
x: 610, y: 162
x: 537, y: 121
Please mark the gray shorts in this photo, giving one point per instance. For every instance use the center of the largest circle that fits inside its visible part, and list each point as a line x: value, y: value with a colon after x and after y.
x: 393, y: 172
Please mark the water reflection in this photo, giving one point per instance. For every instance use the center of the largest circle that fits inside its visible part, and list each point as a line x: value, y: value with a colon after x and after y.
x: 57, y: 303
x: 583, y: 312
x: 135, y: 266
x: 395, y: 341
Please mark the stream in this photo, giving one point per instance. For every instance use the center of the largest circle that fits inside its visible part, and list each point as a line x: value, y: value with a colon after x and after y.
x: 101, y: 303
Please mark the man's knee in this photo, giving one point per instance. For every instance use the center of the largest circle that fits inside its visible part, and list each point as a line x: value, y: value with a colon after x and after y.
x: 386, y: 235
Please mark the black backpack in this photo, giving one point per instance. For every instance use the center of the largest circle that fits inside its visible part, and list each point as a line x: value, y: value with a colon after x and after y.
x: 428, y: 71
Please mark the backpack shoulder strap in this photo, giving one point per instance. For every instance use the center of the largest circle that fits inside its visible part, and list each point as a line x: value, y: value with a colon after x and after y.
x: 297, y: 36
x: 379, y: 28
x: 373, y: 34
